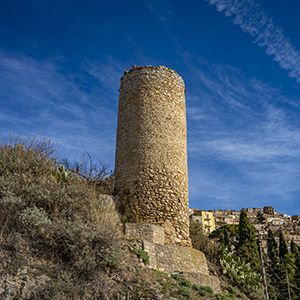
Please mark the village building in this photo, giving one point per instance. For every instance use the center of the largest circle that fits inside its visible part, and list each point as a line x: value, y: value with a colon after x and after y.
x: 206, y: 219
x: 270, y: 219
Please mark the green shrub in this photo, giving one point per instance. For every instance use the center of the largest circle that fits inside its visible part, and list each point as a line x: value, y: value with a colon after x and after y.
x: 176, y: 276
x: 200, y: 291
x: 181, y: 280
x: 236, y: 292
x: 203, y: 243
x: 35, y: 220
x: 203, y: 290
x: 208, y: 289
x: 143, y: 255
x: 223, y: 296
x: 185, y: 291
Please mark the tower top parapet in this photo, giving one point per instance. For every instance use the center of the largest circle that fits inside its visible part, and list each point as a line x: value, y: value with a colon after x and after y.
x: 159, y: 69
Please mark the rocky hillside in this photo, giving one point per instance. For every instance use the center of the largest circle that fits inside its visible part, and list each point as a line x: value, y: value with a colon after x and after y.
x: 61, y: 238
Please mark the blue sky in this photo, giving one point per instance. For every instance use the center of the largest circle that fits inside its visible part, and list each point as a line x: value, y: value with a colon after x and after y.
x: 61, y: 62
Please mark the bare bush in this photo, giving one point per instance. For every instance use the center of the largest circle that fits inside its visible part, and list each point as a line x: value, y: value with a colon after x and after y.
x: 95, y: 173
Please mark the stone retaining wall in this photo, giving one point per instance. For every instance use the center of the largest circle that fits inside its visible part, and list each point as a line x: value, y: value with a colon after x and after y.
x: 186, y: 261
x: 149, y: 232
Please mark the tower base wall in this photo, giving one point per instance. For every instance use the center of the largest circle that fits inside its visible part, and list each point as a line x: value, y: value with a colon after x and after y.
x: 168, y: 258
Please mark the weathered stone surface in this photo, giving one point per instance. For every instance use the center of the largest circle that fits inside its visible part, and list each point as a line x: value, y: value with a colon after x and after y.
x: 171, y: 258
x: 151, y: 154
x: 149, y: 232
x: 187, y: 261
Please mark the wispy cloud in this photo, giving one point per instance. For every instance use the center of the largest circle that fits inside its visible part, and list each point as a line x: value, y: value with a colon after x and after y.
x: 243, y: 134
x: 37, y: 98
x: 251, y: 18
x: 160, y: 9
x: 107, y: 73
x: 76, y: 110
x: 243, y: 139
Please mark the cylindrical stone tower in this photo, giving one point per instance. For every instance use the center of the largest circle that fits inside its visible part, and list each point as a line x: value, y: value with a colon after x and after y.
x: 151, y: 177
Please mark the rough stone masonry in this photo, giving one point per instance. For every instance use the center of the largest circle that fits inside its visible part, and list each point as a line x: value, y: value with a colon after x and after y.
x: 151, y: 177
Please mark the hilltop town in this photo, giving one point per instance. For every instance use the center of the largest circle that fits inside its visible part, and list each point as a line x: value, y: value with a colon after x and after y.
x: 263, y: 219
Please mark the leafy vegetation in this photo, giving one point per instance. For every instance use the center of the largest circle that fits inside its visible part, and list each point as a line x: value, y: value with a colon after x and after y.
x: 220, y: 250
x: 282, y: 268
x: 203, y: 243
x: 240, y: 273
x: 260, y: 217
x: 143, y: 255
x: 187, y: 290
x: 239, y: 259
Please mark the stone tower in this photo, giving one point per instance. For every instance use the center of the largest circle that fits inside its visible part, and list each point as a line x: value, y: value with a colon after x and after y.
x: 151, y: 177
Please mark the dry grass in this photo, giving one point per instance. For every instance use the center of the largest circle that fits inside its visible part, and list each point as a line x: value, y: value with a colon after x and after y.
x: 56, y: 223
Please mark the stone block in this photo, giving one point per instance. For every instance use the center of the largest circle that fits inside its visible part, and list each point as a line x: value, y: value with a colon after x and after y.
x: 171, y: 258
x: 146, y: 232
x: 186, y: 261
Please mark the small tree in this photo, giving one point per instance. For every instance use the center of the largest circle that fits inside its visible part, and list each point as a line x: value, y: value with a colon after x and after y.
x: 273, y: 265
x: 203, y: 243
x: 283, y: 287
x: 227, y: 235
x: 283, y: 249
x: 278, y: 277
x: 294, y: 247
x: 272, y: 248
x: 247, y: 246
x: 260, y: 217
x: 246, y: 232
x: 297, y: 276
